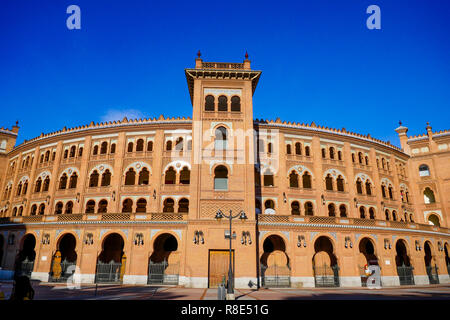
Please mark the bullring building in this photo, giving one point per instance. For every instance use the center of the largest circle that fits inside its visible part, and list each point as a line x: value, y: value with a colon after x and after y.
x: 136, y: 201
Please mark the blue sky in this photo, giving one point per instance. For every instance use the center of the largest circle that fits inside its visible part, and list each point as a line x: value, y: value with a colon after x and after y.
x: 320, y: 62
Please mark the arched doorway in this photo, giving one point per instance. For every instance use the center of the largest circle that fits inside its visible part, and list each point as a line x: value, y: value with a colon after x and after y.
x: 111, y: 261
x: 25, y: 259
x: 430, y: 264
x: 275, y: 269
x: 64, y: 260
x: 404, y: 267
x: 164, y: 262
x: 325, y: 267
x: 367, y: 257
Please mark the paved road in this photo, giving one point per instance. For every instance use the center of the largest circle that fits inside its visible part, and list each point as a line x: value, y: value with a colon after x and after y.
x: 45, y: 291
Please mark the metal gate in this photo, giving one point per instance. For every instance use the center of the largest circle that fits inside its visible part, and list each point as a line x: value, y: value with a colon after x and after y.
x: 26, y: 267
x: 162, y: 273
x: 67, y: 270
x: 405, y: 275
x: 275, y: 276
x: 326, y: 276
x: 433, y: 274
x: 108, y: 272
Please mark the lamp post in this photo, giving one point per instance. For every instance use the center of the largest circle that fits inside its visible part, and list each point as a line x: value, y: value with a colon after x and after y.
x: 242, y: 216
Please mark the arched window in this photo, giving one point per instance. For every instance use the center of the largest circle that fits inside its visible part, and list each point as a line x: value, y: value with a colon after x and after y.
x: 170, y: 176
x: 372, y: 213
x: 141, y: 205
x: 46, y: 184
x: 235, y: 103
x: 307, y: 151
x: 331, y: 153
x: 59, y: 208
x: 113, y: 148
x: 19, y: 188
x: 66, y: 153
x: 127, y: 205
x: 95, y: 150
x: 41, y: 209
x: 434, y: 220
x: 360, y: 157
x: 90, y: 206
x: 33, y: 210
x: 183, y: 205
x: 38, y: 185
x: 424, y: 170
x: 168, y: 145
x: 73, y: 180
x: 343, y: 210
x: 223, y: 103
x: 185, y: 176
x: 367, y: 160
x: 130, y: 147
x: 269, y: 204
x: 295, y: 208
x: 47, y: 156
x: 106, y: 178
x: 69, y: 207
x: 268, y: 178
x: 104, y: 147
x: 324, y: 153
x: 383, y: 163
x: 130, y: 177
x: 353, y: 157
x: 359, y: 186
x: 140, y: 145
x: 340, y: 183
x: 209, y: 103
x: 63, y: 181
x: 329, y: 182
x: 20, y: 211
x: 383, y: 190
x: 428, y: 196
x: 168, y: 205
x: 150, y: 146
x: 14, y: 213
x: 269, y: 147
x: 93, y: 179
x: 339, y: 155
x: 179, y: 144
x: 331, y: 210
x: 368, y: 188
x: 220, y: 142
x: 307, y: 180
x: 80, y: 151
x: 144, y: 176
x: 220, y: 178
x: 394, y: 215
x: 298, y: 148
x: 391, y: 194
x: 362, y: 212
x: 25, y: 187
x: 386, y: 214
x: 293, y: 180
x: 378, y: 163
x: 72, y: 151
x: 309, y: 209
x: 42, y: 159
x: 288, y: 149
x: 189, y: 145
x: 102, y: 206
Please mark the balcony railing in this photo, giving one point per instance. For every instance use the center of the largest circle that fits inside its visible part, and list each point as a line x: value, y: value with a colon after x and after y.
x: 222, y: 65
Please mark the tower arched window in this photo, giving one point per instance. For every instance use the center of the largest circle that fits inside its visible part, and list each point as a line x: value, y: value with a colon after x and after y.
x: 372, y: 213
x: 46, y: 184
x: 127, y: 206
x: 428, y: 196
x: 179, y: 144
x: 59, y: 208
x: 368, y: 188
x: 209, y: 103
x: 150, y: 146
x: 80, y: 151
x: 340, y: 183
x: 269, y: 148
x: 329, y: 182
x: 41, y: 209
x: 367, y: 160
x: 307, y: 151
x: 298, y: 148
x: 38, y: 185
x: 331, y: 210
x: 113, y: 148
x: 339, y: 155
x: 362, y: 212
x: 140, y: 145
x: 235, y: 103
x: 359, y: 186
x: 72, y: 151
x: 324, y: 153
x: 307, y: 181
x: 424, y: 170
x: 130, y: 177
x: 130, y: 147
x: 309, y: 209
x: 63, y: 181
x: 220, y: 138
x: 383, y: 191
x: 295, y: 208
x: 104, y: 147
x: 223, y: 103
x: 268, y: 178
x: 95, y: 150
x: 343, y: 210
x: 331, y: 153
x: 69, y: 207
x: 106, y: 178
x: 170, y: 176
x: 183, y: 205
x: 66, y: 153
x: 293, y: 180
x: 144, y: 176
x: 220, y: 178
x: 185, y: 175
x: 168, y: 145
x: 93, y: 179
x: 141, y: 205
x: 102, y: 206
x: 391, y: 193
x: 168, y: 204
x: 73, y: 180
x: 33, y: 210
x: 360, y: 157
x: 288, y: 149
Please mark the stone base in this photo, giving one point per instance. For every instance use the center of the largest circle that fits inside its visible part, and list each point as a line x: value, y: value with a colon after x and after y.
x: 421, y: 280
x: 193, y: 282
x: 41, y: 276
x: 135, y: 279
x: 302, y: 282
x: 444, y: 278
x: 350, y: 281
x: 390, y: 281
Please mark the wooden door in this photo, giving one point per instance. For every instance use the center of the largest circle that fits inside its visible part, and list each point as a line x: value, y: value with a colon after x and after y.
x: 218, y: 267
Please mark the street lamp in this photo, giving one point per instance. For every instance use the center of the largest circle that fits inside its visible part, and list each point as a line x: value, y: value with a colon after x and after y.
x: 242, y: 216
